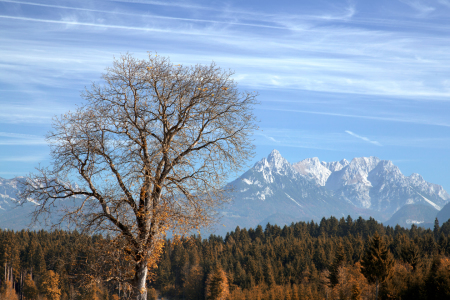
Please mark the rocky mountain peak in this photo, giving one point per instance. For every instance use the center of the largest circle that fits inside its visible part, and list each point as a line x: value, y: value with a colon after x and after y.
x: 313, y: 169
x: 275, y: 158
x: 276, y: 162
x: 416, y: 177
x: 273, y: 164
x: 365, y: 164
x: 335, y: 165
x: 366, y: 182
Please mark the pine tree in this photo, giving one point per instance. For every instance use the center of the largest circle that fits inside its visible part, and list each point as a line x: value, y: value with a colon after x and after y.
x: 30, y: 290
x: 410, y: 253
x: 268, y: 274
x: 193, y: 285
x: 339, y: 259
x: 438, y: 282
x: 377, y: 261
x: 50, y: 286
x: 288, y: 293
x: 295, y: 292
x: 436, y: 229
x: 356, y: 292
x: 7, y: 292
x: 217, y: 285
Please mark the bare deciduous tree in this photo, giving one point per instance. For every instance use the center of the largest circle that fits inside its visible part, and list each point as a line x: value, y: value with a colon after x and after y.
x: 147, y: 153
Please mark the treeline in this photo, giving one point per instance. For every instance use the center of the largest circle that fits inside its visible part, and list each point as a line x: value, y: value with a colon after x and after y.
x: 312, y: 261
x: 333, y: 259
x: 49, y: 266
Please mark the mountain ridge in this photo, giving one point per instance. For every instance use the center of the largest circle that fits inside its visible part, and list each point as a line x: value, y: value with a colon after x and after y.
x: 310, y: 189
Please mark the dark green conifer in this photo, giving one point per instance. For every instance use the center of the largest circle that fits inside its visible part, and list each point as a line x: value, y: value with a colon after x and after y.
x: 377, y: 261
x: 436, y: 229
x: 338, y: 261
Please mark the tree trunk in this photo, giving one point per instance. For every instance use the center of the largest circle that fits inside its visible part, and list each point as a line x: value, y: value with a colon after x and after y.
x: 376, y: 293
x: 139, y: 282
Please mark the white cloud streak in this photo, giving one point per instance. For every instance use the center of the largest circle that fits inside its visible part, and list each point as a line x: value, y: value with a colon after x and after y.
x: 19, y: 139
x: 412, y: 120
x: 19, y: 135
x: 76, y: 23
x: 269, y: 137
x: 419, y: 6
x: 26, y: 158
x: 337, y: 59
x: 320, y: 52
x: 363, y: 138
x: 306, y: 139
x: 444, y: 2
x: 146, y: 15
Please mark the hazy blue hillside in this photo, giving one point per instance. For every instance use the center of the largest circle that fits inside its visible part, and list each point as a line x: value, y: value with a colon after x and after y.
x: 444, y: 214
x: 419, y: 214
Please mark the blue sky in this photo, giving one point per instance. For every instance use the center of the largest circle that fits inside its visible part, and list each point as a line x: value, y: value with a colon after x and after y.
x: 336, y: 79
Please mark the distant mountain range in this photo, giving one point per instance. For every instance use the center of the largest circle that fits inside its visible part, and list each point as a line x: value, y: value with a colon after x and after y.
x: 279, y: 192
x: 418, y: 214
x: 13, y: 216
x: 274, y: 190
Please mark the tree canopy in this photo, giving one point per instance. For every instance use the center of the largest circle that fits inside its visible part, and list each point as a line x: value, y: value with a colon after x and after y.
x: 149, y: 151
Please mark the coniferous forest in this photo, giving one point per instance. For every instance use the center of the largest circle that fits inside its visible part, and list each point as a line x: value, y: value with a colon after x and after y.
x: 333, y: 259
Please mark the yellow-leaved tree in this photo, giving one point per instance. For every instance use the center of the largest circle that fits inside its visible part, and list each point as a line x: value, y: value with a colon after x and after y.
x: 217, y: 285
x: 30, y: 290
x: 49, y: 287
x: 7, y: 292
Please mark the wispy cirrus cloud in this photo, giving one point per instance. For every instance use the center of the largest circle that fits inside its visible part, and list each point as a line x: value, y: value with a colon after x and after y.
x: 26, y: 158
x: 108, y: 26
x: 363, y: 138
x: 148, y: 15
x: 341, y: 62
x: 270, y: 138
x: 298, y: 138
x: 400, y: 119
x: 19, y: 139
x: 444, y: 2
x: 419, y: 6
x: 312, y: 54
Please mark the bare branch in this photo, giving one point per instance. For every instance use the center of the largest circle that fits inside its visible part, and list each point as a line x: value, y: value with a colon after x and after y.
x: 149, y: 152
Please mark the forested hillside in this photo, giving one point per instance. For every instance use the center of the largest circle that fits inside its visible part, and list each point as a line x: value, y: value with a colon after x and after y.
x: 334, y: 259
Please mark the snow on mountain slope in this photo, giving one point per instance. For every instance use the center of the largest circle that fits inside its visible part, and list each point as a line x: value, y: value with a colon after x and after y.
x: 274, y: 186
x: 355, y: 173
x: 13, y: 216
x: 421, y: 185
x: 318, y: 171
x: 335, y: 165
x: 431, y: 203
x: 380, y: 185
x: 307, y: 190
x: 371, y: 183
x: 8, y: 192
x: 272, y: 166
x: 311, y: 189
x: 313, y: 169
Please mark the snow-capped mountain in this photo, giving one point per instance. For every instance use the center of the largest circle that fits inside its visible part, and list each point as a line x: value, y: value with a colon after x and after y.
x: 317, y: 170
x: 311, y: 189
x: 13, y: 216
x: 8, y: 192
x: 369, y: 182
x: 380, y: 185
x: 372, y: 183
x: 274, y: 187
x: 276, y: 191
